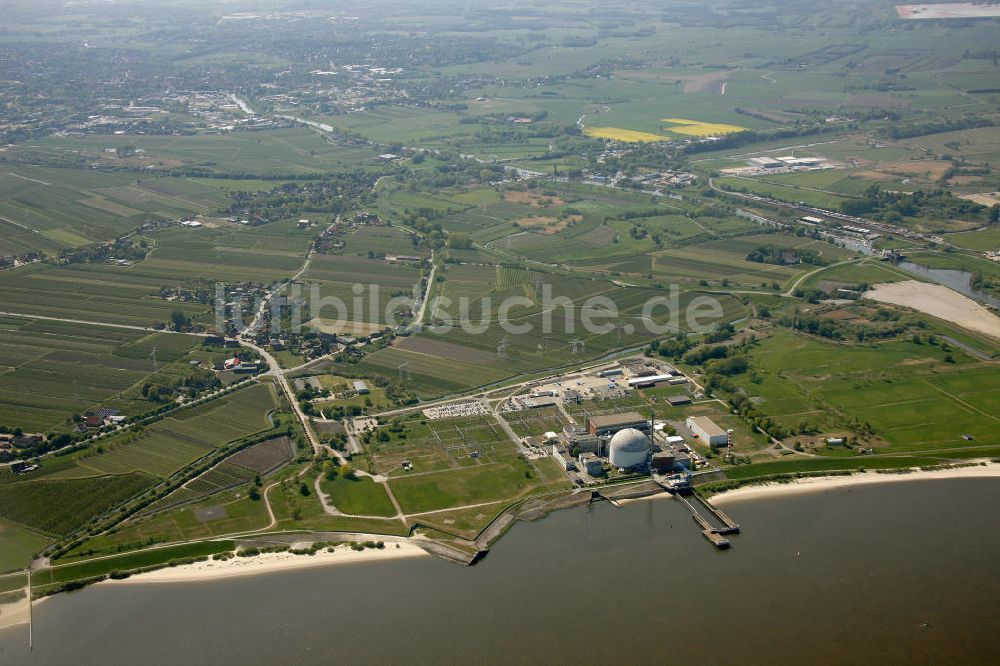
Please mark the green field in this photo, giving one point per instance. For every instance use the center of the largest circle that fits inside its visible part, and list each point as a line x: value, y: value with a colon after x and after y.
x: 52, y: 370
x: 457, y: 358
x: 768, y: 187
x: 17, y: 545
x: 48, y: 209
x: 870, y: 272
x: 982, y: 239
x: 225, y: 513
x: 358, y: 496
x: 474, y: 485
x: 59, y: 506
x: 231, y: 253
x: 912, y: 398
x: 359, y: 289
x: 296, y: 151
x: 179, y: 439
x: 93, y: 292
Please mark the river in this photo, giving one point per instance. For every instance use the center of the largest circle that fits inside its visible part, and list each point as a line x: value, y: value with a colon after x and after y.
x: 901, y: 572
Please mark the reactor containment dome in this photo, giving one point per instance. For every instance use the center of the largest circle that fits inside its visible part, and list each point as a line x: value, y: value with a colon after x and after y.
x: 629, y: 448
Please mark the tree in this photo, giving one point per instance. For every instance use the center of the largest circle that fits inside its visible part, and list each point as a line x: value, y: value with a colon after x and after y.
x: 304, y: 489
x: 179, y: 320
x: 459, y: 241
x: 254, y: 493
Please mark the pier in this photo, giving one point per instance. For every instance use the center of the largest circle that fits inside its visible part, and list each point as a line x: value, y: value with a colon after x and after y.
x: 716, y: 525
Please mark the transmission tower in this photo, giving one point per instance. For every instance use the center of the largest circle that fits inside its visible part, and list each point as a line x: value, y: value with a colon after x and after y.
x: 152, y: 355
x: 404, y: 372
x: 502, y: 348
x: 578, y: 345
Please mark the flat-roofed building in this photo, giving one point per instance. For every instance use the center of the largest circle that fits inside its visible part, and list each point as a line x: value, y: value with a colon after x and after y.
x: 591, y: 464
x: 611, y: 423
x: 646, y: 381
x: 707, y: 431
x: 663, y: 461
x: 564, y: 459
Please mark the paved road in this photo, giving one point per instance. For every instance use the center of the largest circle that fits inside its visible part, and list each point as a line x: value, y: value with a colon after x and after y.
x: 427, y: 292
x: 274, y: 368
x: 803, y: 277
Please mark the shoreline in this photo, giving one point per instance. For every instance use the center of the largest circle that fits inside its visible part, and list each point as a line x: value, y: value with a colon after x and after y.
x: 237, y: 567
x: 813, y: 484
x: 264, y: 563
x: 16, y: 614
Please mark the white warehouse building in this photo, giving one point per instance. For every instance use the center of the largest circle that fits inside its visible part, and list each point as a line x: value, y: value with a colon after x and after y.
x: 706, y: 430
x: 629, y: 448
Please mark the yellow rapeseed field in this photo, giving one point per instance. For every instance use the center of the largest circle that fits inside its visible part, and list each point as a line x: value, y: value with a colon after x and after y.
x: 675, y: 126
x: 619, y: 134
x: 698, y: 128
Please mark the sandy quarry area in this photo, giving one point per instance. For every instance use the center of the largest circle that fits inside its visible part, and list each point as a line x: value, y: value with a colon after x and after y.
x: 938, y: 301
x: 984, y: 198
x: 948, y: 10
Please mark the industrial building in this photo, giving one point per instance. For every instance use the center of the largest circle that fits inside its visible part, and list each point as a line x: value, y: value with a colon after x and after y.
x: 612, y: 423
x: 646, y: 381
x: 591, y: 464
x: 536, y: 402
x: 666, y: 462
x: 581, y: 441
x: 629, y: 449
x: 766, y: 162
x: 676, y: 441
x: 791, y: 160
x: 360, y: 387
x: 707, y: 431
x: 563, y: 458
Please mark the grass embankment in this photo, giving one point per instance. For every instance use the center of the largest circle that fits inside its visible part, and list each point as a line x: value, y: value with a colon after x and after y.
x: 73, y: 576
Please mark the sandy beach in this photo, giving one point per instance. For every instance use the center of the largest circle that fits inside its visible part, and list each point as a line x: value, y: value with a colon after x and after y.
x: 14, y: 614
x: 17, y: 613
x: 814, y: 484
x: 270, y: 562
